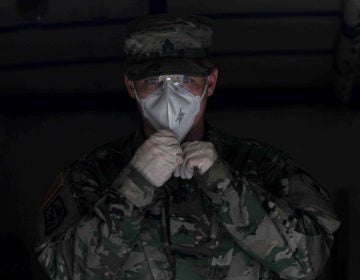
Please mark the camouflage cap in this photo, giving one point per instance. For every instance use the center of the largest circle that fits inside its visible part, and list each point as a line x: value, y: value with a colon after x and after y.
x: 168, y: 44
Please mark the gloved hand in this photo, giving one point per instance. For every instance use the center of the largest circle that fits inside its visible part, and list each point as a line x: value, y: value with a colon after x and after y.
x: 157, y: 157
x: 198, y: 155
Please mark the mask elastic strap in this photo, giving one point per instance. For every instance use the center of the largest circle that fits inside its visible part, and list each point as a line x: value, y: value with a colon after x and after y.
x: 205, y: 89
x: 136, y: 94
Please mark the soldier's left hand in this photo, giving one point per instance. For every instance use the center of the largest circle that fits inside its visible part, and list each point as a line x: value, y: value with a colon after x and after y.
x: 197, y: 155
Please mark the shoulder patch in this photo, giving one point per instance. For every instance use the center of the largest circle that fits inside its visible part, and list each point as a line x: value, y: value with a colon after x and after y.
x: 54, y: 214
x: 59, y: 211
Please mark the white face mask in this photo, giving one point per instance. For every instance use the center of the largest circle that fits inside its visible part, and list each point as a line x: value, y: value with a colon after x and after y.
x: 171, y: 107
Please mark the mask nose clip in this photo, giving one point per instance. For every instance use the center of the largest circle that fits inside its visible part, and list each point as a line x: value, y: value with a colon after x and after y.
x: 169, y: 80
x: 169, y: 84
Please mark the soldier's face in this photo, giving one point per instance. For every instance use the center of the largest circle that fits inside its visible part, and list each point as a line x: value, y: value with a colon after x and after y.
x: 211, y: 84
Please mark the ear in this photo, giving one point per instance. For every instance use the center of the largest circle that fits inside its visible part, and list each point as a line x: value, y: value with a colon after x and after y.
x: 129, y: 87
x: 212, y: 82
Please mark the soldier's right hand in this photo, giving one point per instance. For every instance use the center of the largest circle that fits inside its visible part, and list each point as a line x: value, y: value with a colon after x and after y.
x: 157, y: 157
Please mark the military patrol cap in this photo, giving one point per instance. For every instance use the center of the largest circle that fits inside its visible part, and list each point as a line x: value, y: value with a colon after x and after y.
x: 168, y: 44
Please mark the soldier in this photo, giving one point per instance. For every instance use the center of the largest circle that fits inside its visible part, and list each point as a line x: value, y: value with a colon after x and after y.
x: 178, y: 199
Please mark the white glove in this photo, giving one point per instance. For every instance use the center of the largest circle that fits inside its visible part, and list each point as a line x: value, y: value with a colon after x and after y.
x: 198, y: 155
x: 157, y: 157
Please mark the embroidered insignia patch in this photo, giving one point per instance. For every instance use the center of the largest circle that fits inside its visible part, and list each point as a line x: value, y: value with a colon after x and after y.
x: 59, y: 211
x: 54, y: 214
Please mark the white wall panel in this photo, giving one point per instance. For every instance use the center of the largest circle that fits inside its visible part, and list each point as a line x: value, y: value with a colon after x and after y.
x: 263, y: 34
x: 77, y: 10
x: 229, y: 36
x: 60, y: 44
x: 83, y: 78
x: 84, y: 10
x: 8, y: 13
x: 254, y: 71
x: 236, y: 6
x: 276, y: 34
x: 277, y: 71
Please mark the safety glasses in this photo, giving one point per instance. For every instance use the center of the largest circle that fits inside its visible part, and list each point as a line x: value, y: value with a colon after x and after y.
x: 195, y: 85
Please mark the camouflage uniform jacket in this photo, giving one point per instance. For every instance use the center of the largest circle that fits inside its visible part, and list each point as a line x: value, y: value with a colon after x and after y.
x: 252, y: 215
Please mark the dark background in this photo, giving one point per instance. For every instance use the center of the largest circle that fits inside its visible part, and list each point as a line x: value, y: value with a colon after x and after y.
x: 62, y: 94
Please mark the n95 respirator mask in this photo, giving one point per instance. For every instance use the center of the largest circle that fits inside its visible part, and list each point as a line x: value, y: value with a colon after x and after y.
x: 171, y: 107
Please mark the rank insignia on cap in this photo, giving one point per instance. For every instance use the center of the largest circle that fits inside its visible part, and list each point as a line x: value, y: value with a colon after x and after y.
x: 167, y: 46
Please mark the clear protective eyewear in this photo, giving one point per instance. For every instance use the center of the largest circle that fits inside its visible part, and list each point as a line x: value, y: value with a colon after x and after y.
x: 194, y: 85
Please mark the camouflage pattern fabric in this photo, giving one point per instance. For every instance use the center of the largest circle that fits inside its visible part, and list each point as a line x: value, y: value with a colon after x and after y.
x: 252, y: 215
x: 348, y: 50
x: 168, y: 44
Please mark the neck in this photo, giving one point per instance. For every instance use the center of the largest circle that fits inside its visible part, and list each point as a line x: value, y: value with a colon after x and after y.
x: 196, y: 133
